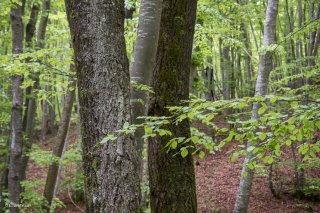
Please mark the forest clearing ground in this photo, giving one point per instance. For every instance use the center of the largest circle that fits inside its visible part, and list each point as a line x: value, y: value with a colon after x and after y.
x: 217, y: 180
x: 217, y: 183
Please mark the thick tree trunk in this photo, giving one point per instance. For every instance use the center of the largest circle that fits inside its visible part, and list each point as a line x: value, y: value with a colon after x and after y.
x: 59, y: 146
x: 143, y: 62
x: 265, y: 67
x: 111, y: 170
x: 172, y: 178
x: 14, y: 178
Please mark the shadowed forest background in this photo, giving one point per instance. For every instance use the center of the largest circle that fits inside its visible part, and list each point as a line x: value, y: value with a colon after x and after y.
x: 159, y: 106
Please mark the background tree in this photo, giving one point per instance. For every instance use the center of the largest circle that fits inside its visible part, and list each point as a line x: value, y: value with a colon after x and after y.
x: 265, y: 67
x: 14, y: 179
x: 172, y: 180
x: 141, y: 70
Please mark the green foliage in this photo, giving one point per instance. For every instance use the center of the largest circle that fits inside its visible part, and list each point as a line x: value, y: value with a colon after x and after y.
x: 32, y: 198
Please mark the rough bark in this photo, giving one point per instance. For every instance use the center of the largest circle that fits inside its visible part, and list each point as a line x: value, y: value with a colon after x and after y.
x: 172, y: 178
x: 143, y: 61
x: 265, y: 67
x: 57, y: 152
x: 110, y: 169
x: 14, y: 178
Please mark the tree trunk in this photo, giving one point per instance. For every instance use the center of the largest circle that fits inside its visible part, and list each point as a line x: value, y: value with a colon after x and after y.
x: 265, y: 67
x: 248, y: 62
x: 172, y: 178
x: 43, y: 23
x: 30, y: 32
x: 41, y: 44
x: 14, y: 179
x: 32, y: 103
x: 111, y: 169
x: 59, y: 146
x: 225, y: 69
x: 143, y: 62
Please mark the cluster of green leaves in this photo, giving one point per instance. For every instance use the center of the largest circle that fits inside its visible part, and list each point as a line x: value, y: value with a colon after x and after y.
x: 32, y: 199
x: 283, y: 121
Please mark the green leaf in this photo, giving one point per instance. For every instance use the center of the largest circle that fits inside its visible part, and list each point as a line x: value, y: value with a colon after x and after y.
x: 163, y: 132
x: 109, y: 137
x: 273, y: 99
x: 294, y: 104
x: 250, y: 136
x: 195, y: 139
x: 293, y: 137
x: 262, y: 109
x: 288, y: 142
x: 242, y: 105
x: 174, y: 144
x: 268, y: 159
x: 184, y: 152
x: 201, y: 154
x: 251, y: 165
x: 148, y: 130
x: 263, y: 136
x: 304, y: 148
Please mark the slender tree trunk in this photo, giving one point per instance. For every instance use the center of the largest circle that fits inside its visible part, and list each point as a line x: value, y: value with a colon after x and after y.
x: 59, y: 146
x: 32, y: 103
x: 225, y: 69
x: 143, y: 62
x: 41, y: 44
x: 265, y: 67
x: 299, y: 44
x: 111, y: 169
x: 14, y: 178
x: 30, y: 32
x: 172, y: 178
x: 42, y: 29
x: 248, y: 62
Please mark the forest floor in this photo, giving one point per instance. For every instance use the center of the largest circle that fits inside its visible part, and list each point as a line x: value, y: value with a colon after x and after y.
x: 217, y: 180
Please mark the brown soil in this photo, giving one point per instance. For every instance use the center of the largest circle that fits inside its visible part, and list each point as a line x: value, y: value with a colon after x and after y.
x: 217, y: 181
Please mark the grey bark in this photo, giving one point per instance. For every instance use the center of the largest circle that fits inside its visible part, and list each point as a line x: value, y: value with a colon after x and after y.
x: 143, y: 61
x: 172, y: 178
x: 32, y: 103
x: 57, y: 152
x: 111, y: 170
x: 14, y: 178
x: 265, y: 67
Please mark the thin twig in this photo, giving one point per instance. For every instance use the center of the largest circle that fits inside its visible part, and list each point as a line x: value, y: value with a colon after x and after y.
x: 78, y: 207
